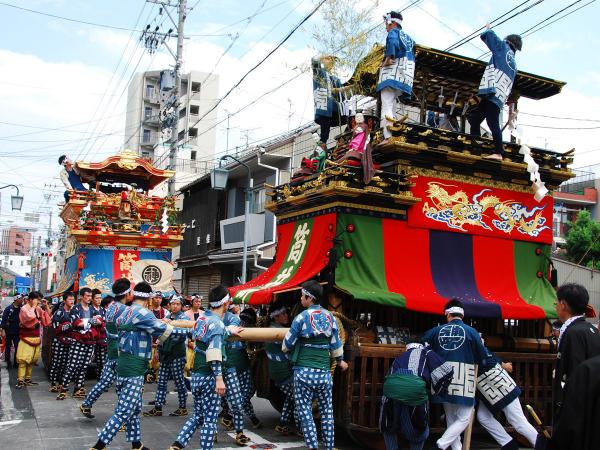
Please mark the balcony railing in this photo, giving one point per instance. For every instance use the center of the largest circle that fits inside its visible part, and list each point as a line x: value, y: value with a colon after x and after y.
x: 151, y: 97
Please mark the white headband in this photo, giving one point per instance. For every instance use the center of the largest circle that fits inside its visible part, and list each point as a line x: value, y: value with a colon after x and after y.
x: 220, y: 302
x: 308, y: 294
x: 176, y: 299
x: 388, y: 19
x: 455, y: 310
x: 124, y: 292
x: 277, y: 312
x: 142, y: 294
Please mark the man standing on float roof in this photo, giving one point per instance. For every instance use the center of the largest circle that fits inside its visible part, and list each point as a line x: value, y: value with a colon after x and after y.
x: 495, y: 86
x: 136, y: 327
x: 460, y: 346
x: 313, y: 340
x: 397, y: 69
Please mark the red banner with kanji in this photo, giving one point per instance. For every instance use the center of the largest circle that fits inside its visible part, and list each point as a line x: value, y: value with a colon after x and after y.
x: 123, y: 261
x: 473, y: 209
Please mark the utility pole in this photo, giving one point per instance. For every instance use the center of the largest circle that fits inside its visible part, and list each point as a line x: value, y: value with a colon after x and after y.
x: 151, y: 39
x: 178, y: 64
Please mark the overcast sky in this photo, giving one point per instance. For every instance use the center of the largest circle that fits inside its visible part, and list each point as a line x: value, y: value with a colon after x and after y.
x: 60, y: 74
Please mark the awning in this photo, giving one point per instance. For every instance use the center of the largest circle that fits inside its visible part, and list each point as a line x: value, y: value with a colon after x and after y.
x: 302, y: 252
x: 420, y: 269
x: 66, y: 282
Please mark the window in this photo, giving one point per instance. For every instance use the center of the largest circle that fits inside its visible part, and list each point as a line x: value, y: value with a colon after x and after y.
x: 194, y: 110
x: 22, y: 263
x: 193, y: 132
x: 195, y: 87
x: 146, y: 155
x: 149, y: 90
x: 146, y: 136
x: 147, y: 112
x: 193, y: 155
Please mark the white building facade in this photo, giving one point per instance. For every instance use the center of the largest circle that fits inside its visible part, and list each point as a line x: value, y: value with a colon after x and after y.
x: 148, y: 104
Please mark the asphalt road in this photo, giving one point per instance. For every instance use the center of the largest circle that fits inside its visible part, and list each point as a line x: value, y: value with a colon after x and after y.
x: 31, y: 419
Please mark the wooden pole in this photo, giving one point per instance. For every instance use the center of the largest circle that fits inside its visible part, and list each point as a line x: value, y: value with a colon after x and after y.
x: 469, y: 430
x: 247, y: 334
x: 537, y: 420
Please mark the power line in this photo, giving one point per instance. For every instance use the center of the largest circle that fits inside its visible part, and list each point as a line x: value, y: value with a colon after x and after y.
x: 560, y: 118
x: 218, y: 102
x: 86, y: 22
x: 475, y: 33
x: 529, y: 31
x: 559, y: 128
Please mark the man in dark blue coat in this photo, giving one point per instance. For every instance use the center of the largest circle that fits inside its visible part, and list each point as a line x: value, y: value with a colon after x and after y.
x: 10, y: 326
x: 495, y: 86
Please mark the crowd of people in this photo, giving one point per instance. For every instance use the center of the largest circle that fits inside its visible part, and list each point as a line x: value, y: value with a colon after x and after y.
x: 135, y: 336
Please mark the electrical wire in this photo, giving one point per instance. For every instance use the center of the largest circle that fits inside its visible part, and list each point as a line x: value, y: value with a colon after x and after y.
x: 475, y: 33
x: 559, y: 118
x: 533, y: 29
x: 218, y: 102
x: 93, y: 24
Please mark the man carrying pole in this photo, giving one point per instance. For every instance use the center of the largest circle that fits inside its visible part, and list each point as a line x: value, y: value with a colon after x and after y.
x: 207, y: 374
x: 136, y: 326
x: 312, y: 341
x: 123, y: 294
x: 171, y: 354
x: 459, y: 345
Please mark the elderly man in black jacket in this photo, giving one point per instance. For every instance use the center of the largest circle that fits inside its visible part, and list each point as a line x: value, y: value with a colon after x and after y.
x: 578, y: 340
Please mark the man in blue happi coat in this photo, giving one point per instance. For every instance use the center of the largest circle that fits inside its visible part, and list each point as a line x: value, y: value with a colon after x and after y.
x: 238, y: 380
x: 497, y: 391
x: 461, y: 347
x: 495, y: 86
x: 207, y: 374
x: 123, y: 294
x: 280, y: 369
x: 171, y: 354
x: 136, y: 327
x: 313, y: 340
x: 326, y: 89
x: 405, y: 404
x: 397, y: 69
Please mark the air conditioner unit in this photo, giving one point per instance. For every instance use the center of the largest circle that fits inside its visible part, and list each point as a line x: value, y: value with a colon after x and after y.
x: 232, y: 231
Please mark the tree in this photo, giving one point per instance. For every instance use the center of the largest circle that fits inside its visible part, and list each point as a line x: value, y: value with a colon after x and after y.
x: 346, y: 31
x: 583, y: 240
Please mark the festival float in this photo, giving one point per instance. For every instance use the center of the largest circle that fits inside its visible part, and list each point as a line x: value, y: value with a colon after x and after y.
x: 430, y: 221
x: 117, y: 228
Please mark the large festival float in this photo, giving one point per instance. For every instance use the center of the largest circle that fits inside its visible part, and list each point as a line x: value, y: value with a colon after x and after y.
x: 397, y: 231
x: 117, y: 228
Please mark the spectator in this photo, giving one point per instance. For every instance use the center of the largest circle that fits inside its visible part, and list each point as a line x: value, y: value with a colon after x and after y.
x: 577, y: 426
x: 10, y: 330
x: 32, y: 319
x: 577, y: 342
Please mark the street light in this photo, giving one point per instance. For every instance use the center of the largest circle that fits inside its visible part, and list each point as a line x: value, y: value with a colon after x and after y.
x: 16, y: 201
x: 218, y: 181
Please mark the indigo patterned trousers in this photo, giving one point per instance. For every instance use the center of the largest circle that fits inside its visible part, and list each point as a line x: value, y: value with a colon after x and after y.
x: 173, y: 369
x: 129, y: 406
x: 233, y: 393
x: 247, y: 389
x: 289, y: 405
x: 106, y: 380
x: 79, y: 359
x: 206, y: 412
x: 100, y: 352
x: 60, y: 358
x: 315, y: 384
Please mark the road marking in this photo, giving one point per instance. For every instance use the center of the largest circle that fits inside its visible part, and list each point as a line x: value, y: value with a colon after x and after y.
x: 10, y: 422
x: 259, y: 440
x: 8, y: 407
